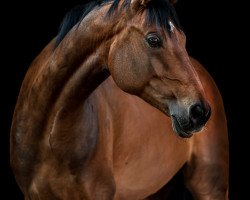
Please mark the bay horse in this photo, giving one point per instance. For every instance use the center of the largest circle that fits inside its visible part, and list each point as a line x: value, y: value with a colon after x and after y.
x: 114, y: 107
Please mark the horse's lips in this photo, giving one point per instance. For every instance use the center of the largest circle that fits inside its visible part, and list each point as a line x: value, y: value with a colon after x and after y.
x: 177, y: 128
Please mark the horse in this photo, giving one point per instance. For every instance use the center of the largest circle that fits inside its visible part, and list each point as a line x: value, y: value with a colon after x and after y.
x: 114, y: 107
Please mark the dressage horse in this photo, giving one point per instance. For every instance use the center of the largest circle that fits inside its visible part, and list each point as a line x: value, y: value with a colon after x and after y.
x: 114, y: 107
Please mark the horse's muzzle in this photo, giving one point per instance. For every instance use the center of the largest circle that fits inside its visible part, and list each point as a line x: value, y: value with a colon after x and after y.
x: 197, y: 117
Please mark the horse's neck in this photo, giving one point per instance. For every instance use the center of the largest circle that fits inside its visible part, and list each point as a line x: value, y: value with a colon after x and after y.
x: 65, y: 76
x: 80, y: 82
x: 58, y: 80
x: 80, y: 63
x: 77, y: 65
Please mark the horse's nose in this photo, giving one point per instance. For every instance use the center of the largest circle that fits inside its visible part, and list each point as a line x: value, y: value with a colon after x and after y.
x: 186, y: 123
x: 199, y: 114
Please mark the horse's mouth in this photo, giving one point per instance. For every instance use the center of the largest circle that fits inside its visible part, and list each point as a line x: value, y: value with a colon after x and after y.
x: 177, y: 129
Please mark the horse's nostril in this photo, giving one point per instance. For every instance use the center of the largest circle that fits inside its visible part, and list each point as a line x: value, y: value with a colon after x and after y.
x: 197, y: 111
x: 199, y: 114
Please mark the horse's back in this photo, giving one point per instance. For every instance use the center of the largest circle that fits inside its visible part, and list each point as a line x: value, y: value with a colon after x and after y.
x: 23, y: 140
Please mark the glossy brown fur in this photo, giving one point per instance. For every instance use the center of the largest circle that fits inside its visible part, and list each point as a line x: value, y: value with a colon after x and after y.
x: 77, y: 135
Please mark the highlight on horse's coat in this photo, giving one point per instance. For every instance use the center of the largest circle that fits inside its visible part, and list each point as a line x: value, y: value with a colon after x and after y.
x: 114, y: 107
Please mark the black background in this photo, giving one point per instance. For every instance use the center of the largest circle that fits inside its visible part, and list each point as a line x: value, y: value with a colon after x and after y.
x: 215, y: 36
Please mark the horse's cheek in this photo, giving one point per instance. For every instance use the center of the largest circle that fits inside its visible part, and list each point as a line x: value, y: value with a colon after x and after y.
x: 127, y: 72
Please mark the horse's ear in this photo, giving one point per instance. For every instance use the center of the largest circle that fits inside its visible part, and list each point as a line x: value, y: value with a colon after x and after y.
x: 173, y: 1
x: 145, y: 2
x: 138, y: 3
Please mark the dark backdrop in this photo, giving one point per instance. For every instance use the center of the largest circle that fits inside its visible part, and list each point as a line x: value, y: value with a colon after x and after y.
x: 214, y: 32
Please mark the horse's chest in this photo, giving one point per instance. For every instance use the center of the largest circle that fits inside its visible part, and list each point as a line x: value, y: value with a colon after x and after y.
x: 146, y: 158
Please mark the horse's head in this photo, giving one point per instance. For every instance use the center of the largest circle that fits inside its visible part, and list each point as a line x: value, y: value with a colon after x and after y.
x: 148, y: 58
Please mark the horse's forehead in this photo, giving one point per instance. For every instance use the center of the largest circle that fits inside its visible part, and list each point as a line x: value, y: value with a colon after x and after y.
x: 145, y: 23
x: 142, y: 22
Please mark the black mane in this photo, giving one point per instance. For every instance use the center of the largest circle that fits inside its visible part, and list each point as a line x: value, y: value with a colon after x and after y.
x: 158, y: 12
x: 74, y: 16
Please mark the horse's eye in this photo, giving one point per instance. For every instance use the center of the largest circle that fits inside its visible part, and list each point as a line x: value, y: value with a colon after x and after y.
x: 154, y: 40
